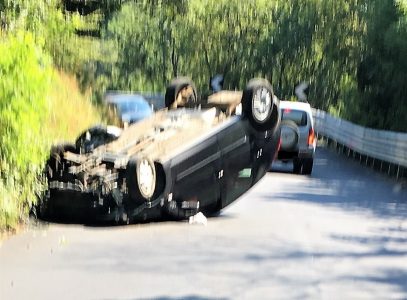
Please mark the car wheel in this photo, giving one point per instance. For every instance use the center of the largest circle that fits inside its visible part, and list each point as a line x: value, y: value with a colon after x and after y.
x: 141, y: 179
x: 297, y: 164
x: 289, y: 135
x: 260, y: 105
x: 181, y: 92
x: 94, y: 137
x: 307, y: 166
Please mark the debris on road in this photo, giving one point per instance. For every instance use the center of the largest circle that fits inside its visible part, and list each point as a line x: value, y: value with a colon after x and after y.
x: 199, y: 218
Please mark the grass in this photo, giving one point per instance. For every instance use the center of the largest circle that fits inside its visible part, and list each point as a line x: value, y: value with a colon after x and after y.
x: 69, y: 113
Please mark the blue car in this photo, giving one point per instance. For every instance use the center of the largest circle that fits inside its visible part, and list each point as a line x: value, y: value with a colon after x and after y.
x: 129, y: 108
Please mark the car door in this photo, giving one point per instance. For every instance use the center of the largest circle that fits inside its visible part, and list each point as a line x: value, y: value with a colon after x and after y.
x: 195, y: 174
x: 236, y: 169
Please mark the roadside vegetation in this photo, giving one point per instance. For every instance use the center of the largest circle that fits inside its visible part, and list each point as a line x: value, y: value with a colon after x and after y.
x: 351, y: 52
x: 58, y: 57
x: 40, y: 103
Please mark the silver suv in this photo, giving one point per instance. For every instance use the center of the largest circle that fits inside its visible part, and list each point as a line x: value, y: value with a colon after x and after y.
x: 298, y: 141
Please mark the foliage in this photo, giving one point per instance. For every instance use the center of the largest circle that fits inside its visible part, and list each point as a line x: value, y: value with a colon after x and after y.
x: 38, y: 106
x: 382, y: 72
x: 350, y: 51
x: 25, y: 74
x: 33, y: 38
x: 70, y: 112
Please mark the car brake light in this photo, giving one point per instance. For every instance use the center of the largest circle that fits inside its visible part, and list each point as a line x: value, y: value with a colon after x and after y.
x: 286, y: 111
x: 311, y: 136
x: 278, y: 149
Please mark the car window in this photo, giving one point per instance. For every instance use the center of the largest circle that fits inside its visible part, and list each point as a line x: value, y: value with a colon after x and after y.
x: 298, y: 116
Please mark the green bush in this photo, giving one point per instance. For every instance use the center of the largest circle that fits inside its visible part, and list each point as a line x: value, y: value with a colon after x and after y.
x: 24, y: 83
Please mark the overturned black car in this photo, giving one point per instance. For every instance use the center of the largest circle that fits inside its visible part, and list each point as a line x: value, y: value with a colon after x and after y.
x: 190, y: 157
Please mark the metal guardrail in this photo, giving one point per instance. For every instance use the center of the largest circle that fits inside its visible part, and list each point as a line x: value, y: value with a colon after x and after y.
x: 378, y: 145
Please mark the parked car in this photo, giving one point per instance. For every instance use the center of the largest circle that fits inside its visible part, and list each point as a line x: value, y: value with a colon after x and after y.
x: 297, y: 136
x: 180, y: 161
x: 128, y: 108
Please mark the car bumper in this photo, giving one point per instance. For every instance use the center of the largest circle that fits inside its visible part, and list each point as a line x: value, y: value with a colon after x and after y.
x: 308, y: 153
x: 290, y: 155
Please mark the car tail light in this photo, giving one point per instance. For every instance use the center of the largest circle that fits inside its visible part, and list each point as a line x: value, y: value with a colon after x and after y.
x: 278, y: 149
x: 286, y: 111
x: 311, y: 136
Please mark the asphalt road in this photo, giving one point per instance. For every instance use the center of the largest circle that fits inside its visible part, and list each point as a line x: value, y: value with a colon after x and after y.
x: 339, y: 234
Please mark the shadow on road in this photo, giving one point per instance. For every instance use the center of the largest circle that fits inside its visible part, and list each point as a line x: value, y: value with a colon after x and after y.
x: 69, y: 220
x: 341, y: 182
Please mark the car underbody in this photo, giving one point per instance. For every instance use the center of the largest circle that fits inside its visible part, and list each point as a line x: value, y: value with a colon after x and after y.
x: 173, y: 164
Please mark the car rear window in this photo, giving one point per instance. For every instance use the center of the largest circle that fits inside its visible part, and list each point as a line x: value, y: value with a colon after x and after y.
x: 298, y: 116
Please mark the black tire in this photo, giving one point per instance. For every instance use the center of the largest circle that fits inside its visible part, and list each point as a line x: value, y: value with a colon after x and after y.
x: 270, y: 117
x: 136, y: 193
x: 297, y: 166
x: 289, y: 135
x: 98, y: 136
x: 308, y: 163
x: 175, y: 87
